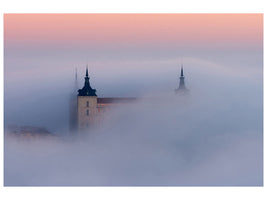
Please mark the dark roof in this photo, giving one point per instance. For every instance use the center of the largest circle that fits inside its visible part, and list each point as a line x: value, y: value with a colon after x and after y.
x: 116, y: 100
x: 87, y: 90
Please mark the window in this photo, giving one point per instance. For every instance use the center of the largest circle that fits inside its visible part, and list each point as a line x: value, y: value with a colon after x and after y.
x: 87, y: 104
x: 87, y: 112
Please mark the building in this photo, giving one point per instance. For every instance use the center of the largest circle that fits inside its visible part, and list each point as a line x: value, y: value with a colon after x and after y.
x: 28, y: 132
x: 181, y: 89
x: 87, y: 109
x: 86, y: 105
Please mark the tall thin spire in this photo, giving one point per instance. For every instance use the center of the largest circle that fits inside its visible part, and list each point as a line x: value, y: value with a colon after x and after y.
x: 86, y: 71
x: 181, y: 87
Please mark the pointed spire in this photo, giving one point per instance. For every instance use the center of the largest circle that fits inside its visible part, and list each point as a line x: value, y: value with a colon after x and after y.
x: 86, y: 71
x: 182, y: 71
x: 87, y: 90
x: 181, y: 87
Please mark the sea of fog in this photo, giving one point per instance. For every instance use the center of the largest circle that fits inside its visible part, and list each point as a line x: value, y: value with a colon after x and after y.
x: 211, y: 137
x: 195, y: 140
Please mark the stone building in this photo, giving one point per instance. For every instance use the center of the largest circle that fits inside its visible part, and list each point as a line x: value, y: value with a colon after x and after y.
x: 87, y: 109
x: 86, y: 105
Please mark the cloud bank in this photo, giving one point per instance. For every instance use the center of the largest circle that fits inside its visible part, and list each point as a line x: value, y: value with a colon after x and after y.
x: 212, y: 137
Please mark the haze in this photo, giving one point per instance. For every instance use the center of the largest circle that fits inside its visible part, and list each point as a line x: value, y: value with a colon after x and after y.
x: 213, y: 137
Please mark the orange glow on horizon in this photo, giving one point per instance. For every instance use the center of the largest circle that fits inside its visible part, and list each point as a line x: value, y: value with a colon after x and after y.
x: 128, y: 29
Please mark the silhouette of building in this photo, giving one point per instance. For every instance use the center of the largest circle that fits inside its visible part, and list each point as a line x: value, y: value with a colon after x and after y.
x: 89, y: 107
x: 181, y: 89
x: 28, y: 132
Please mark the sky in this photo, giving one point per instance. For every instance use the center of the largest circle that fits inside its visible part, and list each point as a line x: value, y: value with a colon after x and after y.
x: 109, y: 30
x: 128, y: 54
x: 204, y: 140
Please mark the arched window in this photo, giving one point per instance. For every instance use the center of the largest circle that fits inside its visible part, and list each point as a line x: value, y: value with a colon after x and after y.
x: 87, y: 104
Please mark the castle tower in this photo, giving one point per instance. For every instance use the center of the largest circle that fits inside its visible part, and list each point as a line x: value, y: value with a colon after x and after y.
x: 181, y: 88
x: 87, y: 105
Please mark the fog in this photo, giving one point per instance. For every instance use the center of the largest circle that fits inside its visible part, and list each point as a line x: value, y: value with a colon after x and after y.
x: 211, y: 137
x: 39, y: 81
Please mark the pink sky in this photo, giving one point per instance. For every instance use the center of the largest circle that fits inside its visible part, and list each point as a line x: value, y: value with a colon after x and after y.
x: 133, y: 29
x: 129, y: 55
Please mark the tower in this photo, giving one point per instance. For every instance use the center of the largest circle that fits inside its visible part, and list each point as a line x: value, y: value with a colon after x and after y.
x: 181, y: 88
x: 73, y: 106
x: 86, y: 104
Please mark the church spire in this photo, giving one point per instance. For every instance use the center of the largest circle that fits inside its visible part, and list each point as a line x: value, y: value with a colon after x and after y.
x: 181, y: 87
x: 86, y: 71
x: 87, y: 90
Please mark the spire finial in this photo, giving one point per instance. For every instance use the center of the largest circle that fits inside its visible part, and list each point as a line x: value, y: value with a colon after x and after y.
x: 86, y: 70
x: 182, y: 71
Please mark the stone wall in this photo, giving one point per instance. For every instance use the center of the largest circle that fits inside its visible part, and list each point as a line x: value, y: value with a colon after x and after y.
x: 87, y: 111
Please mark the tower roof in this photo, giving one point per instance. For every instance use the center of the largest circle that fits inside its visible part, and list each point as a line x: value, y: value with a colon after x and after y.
x: 182, y: 71
x: 87, y: 90
x: 86, y: 71
x: 181, y: 87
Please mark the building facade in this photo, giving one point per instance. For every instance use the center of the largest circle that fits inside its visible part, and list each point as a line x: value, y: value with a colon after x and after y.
x: 90, y: 109
x: 87, y: 109
x: 86, y: 105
